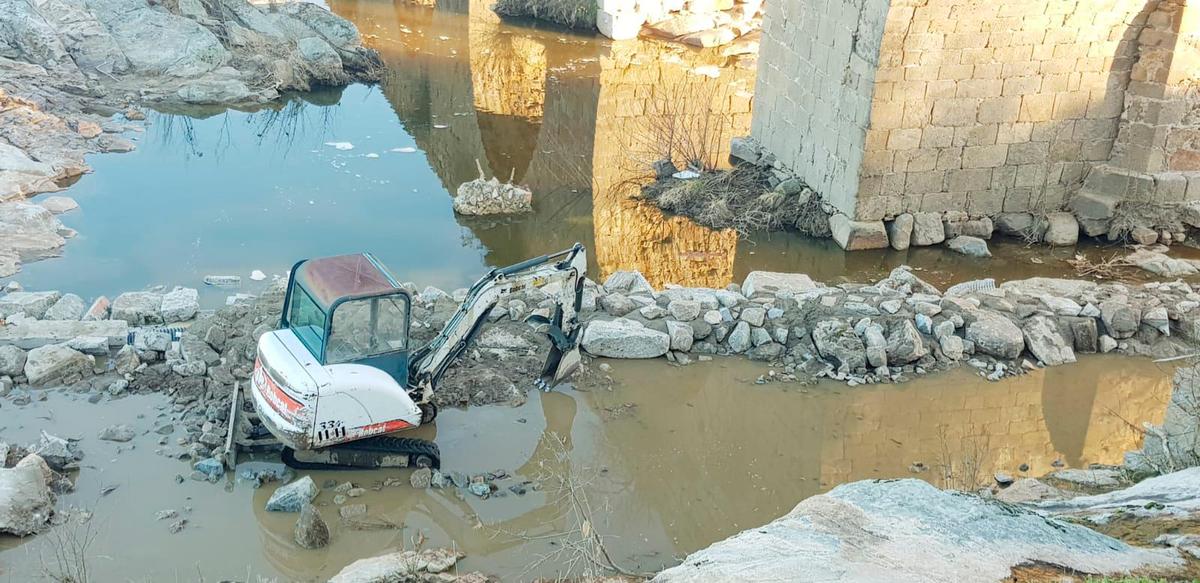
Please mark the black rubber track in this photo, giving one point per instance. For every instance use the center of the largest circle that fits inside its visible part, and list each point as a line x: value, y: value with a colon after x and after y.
x: 383, y: 445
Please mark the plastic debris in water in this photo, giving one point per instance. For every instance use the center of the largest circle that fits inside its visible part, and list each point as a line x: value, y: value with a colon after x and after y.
x: 257, y: 275
x: 440, y: 126
x: 340, y: 145
x: 223, y: 280
x: 372, y: 155
x: 686, y: 175
x: 405, y: 150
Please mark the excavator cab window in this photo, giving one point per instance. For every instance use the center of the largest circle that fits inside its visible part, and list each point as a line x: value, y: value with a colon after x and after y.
x: 367, y: 327
x: 307, y: 320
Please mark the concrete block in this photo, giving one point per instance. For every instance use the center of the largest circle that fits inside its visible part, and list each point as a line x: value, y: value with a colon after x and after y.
x: 858, y: 235
x: 899, y: 231
x: 623, y: 25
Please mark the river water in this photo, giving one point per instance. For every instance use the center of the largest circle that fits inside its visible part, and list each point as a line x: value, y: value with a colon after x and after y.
x: 670, y: 459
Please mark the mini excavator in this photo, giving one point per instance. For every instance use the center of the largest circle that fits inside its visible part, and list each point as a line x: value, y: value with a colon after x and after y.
x: 339, y: 377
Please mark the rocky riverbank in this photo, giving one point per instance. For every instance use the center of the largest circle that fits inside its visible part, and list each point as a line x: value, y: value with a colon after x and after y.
x: 73, y: 73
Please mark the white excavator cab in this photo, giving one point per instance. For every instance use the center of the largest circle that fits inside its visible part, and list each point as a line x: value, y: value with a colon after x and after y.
x: 340, y: 368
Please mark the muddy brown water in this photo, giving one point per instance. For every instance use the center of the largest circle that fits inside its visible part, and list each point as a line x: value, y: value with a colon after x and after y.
x: 669, y: 460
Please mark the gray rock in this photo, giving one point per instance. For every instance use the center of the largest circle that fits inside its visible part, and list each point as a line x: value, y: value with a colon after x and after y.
x: 754, y: 316
x: 55, y: 363
x: 996, y: 335
x: 681, y: 334
x: 25, y: 498
x: 1107, y: 344
x: 60, y: 454
x: 1029, y: 490
x: 856, y: 235
x: 622, y: 338
x: 482, y: 197
x: 212, y: 469
x: 739, y: 338
x: 179, y: 305
x: 311, y: 532
x: 652, y: 312
x: 138, y: 308
x: 93, y: 345
x: 292, y: 497
x: 617, y: 304
x: 1098, y: 478
x: 907, y: 531
x: 745, y: 149
x: 30, y: 334
x: 1062, y: 230
x: 981, y: 227
x: 33, y: 304
x: 1086, y: 335
x: 1158, y: 319
x: 970, y: 246
x: 713, y: 317
x: 423, y: 565
x: 684, y: 310
x: 120, y: 433
x: 1043, y: 341
x: 421, y: 478
x: 876, y: 346
x: 904, y: 343
x: 156, y: 340
x: 927, y: 229
x: 68, y: 307
x: 1022, y: 225
x: 12, y: 361
x: 1120, y: 319
x: 632, y: 282
x: 769, y: 283
x: 766, y: 352
x: 899, y: 231
x: 760, y: 336
x: 952, y: 347
x: 836, y: 341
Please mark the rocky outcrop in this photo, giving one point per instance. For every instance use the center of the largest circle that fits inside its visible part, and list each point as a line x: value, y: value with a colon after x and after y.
x: 423, y: 565
x: 491, y: 197
x: 1176, y: 443
x: 907, y: 530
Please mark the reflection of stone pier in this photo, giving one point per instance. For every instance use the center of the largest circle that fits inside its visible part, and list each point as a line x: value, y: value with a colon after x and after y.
x: 568, y: 119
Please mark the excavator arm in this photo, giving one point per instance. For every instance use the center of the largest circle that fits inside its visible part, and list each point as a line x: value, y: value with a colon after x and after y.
x: 559, y: 274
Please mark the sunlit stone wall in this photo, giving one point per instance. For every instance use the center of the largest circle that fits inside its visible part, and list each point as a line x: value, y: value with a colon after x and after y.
x: 975, y: 105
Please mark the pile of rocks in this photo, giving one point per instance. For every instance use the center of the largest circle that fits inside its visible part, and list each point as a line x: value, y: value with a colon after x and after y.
x: 481, y: 197
x: 890, y: 330
x: 699, y: 23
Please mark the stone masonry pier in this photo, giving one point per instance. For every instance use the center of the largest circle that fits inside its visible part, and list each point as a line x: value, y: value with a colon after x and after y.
x: 906, y: 106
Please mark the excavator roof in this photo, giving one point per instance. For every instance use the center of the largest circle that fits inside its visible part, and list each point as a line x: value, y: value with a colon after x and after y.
x: 328, y: 279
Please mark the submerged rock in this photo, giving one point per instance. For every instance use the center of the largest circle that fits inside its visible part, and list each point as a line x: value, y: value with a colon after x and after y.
x: 908, y: 531
x: 311, y: 532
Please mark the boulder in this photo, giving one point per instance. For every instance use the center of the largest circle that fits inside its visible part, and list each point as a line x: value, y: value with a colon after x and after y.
x: 60, y: 454
x: 179, y: 305
x: 740, y: 338
x: 620, y: 25
x: 93, y: 345
x: 899, y: 231
x: 1120, y: 319
x: 835, y: 340
x: 969, y: 246
x: 684, y: 310
x: 1021, y: 225
x: 33, y: 304
x: 56, y: 363
x: 311, y: 532
x: 857, y: 235
x: 1090, y: 478
x: 622, y: 338
x: 769, y: 283
x: 746, y: 149
x: 30, y: 334
x: 293, y: 496
x: 98, y: 310
x: 1028, y: 490
x: 876, y: 345
x: 904, y: 343
x: 1043, y: 341
x: 908, y: 531
x: 481, y: 197
x: 995, y: 335
x: 138, y: 308
x: 1173, y: 494
x: 981, y: 228
x: 1095, y: 211
x: 753, y: 316
x: 927, y: 229
x: 12, y: 361
x: 630, y: 282
x: 127, y: 360
x: 1062, y: 230
x: 68, y: 307
x: 1162, y: 264
x: 617, y: 304
x: 423, y: 565
x: 682, y: 336
x: 25, y: 500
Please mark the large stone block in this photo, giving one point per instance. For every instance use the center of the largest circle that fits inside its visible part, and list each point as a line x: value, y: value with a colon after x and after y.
x: 34, y: 333
x: 767, y: 283
x: 857, y: 235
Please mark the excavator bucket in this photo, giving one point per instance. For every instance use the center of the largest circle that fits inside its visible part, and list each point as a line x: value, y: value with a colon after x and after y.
x: 560, y: 365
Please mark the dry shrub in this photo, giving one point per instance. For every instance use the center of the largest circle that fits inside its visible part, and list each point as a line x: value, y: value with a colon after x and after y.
x: 1132, y: 214
x: 740, y: 199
